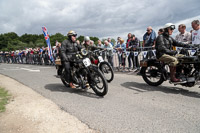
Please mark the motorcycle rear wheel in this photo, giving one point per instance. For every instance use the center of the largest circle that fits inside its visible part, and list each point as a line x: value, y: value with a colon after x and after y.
x: 152, y: 75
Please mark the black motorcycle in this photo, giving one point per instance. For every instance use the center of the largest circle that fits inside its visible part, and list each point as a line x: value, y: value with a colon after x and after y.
x: 103, y: 65
x: 84, y: 74
x: 155, y: 72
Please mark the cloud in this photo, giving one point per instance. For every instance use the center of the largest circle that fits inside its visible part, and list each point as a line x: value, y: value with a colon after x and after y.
x: 101, y: 18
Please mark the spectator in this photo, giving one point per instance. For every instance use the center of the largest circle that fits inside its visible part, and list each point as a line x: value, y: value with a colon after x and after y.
x: 160, y: 31
x: 132, y: 47
x: 195, y: 32
x: 183, y: 36
x: 100, y: 45
x: 108, y: 46
x: 109, y: 41
x: 128, y: 40
x: 1, y: 56
x: 149, y: 41
x: 54, y: 51
x: 91, y: 43
x: 121, y: 50
x: 118, y: 39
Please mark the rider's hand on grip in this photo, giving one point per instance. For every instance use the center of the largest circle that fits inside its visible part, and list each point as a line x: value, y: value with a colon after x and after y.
x: 173, y: 52
x: 187, y: 46
x: 193, y: 45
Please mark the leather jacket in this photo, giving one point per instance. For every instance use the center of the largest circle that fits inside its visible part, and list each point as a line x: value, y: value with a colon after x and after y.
x: 68, y: 49
x: 90, y: 48
x: 164, y: 44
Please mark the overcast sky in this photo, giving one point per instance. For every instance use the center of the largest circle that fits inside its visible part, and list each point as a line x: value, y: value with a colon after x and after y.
x: 100, y: 18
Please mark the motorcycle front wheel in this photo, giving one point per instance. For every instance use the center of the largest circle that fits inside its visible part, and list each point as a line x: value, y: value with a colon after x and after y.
x: 152, y: 75
x: 98, y: 82
x: 107, y: 70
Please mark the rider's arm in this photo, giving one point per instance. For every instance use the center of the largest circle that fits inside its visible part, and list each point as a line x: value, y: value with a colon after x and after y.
x: 160, y: 46
x: 63, y: 51
x: 177, y: 43
x: 79, y: 47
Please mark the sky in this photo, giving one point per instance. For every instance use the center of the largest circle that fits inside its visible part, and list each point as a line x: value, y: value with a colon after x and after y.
x: 100, y: 18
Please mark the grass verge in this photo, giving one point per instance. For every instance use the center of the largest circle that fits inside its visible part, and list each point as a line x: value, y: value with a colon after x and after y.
x: 4, y: 97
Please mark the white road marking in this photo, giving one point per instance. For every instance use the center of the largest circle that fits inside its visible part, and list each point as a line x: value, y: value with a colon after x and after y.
x: 31, y: 70
x: 6, y: 69
x: 44, y: 67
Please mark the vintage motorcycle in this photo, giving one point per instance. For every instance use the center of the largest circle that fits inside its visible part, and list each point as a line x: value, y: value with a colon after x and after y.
x: 103, y: 65
x: 155, y: 72
x: 84, y: 74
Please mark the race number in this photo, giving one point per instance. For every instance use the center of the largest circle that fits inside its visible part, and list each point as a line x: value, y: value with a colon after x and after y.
x: 100, y: 59
x: 87, y: 62
x: 100, y: 53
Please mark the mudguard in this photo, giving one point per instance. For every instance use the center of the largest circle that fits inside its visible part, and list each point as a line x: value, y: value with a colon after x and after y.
x: 149, y: 62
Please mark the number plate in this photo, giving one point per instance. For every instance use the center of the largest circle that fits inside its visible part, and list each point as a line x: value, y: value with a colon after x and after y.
x: 100, y: 53
x: 100, y: 59
x: 87, y: 62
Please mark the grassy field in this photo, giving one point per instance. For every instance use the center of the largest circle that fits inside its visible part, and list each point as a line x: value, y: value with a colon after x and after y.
x: 4, y: 97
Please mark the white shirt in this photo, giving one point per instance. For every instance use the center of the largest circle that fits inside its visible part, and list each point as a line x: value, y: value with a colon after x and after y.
x: 196, y: 36
x: 186, y: 38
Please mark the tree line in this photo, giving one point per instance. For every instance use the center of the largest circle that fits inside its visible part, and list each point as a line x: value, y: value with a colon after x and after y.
x: 11, y: 41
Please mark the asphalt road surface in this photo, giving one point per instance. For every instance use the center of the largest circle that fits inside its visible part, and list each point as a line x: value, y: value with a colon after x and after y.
x: 130, y: 105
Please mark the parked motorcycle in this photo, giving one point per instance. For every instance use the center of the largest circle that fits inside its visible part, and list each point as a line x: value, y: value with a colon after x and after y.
x: 155, y: 72
x: 103, y: 65
x: 84, y: 74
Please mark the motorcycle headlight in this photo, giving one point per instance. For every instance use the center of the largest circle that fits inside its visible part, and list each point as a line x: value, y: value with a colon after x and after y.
x: 84, y: 52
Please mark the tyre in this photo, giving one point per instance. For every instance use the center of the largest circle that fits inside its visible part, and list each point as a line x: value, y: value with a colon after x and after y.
x: 152, y: 75
x: 62, y: 77
x: 107, y: 71
x: 98, y: 82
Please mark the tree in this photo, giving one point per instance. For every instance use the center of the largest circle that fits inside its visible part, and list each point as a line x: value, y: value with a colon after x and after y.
x: 95, y: 39
x: 57, y: 37
x: 11, y: 41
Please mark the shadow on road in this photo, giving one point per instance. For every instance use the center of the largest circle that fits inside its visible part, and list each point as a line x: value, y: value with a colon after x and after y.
x: 61, y: 88
x: 143, y: 87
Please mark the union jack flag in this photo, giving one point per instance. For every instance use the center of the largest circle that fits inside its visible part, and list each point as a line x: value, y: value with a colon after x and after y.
x: 46, y: 36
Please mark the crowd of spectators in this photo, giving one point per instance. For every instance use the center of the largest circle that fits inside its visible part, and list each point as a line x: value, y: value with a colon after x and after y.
x: 121, y: 55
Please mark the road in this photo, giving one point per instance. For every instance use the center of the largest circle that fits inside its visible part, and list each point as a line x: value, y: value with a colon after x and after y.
x: 130, y: 105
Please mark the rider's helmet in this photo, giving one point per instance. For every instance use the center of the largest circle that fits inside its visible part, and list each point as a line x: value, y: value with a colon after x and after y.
x: 169, y: 25
x: 86, y: 38
x: 71, y: 33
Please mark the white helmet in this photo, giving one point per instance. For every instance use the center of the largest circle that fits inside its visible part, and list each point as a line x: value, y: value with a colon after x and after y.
x: 169, y: 25
x: 86, y: 38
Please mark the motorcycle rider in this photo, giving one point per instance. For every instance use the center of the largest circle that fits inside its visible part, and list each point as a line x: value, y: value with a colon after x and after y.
x: 164, y: 52
x: 88, y: 45
x: 68, y: 48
